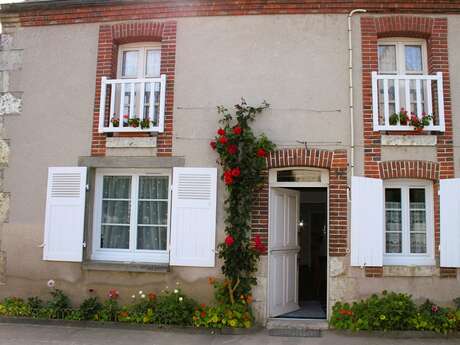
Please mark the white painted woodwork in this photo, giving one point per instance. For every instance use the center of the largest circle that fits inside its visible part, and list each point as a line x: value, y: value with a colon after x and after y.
x: 284, y: 249
x: 65, y: 213
x: 450, y: 222
x: 423, y: 89
x: 367, y: 221
x: 193, y: 217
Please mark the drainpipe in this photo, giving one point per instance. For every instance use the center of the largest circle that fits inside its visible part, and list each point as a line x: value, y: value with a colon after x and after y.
x: 350, y: 87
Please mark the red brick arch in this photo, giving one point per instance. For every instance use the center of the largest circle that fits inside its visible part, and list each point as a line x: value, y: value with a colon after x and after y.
x: 336, y: 163
x: 110, y: 37
x: 426, y: 170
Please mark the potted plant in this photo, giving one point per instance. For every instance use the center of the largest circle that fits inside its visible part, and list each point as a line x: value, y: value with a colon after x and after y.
x: 419, y: 123
x: 145, y: 123
x: 400, y: 118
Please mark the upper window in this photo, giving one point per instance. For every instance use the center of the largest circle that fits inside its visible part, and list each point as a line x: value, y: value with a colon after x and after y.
x: 402, y: 56
x: 409, y: 230
x: 139, y: 61
x: 132, y: 216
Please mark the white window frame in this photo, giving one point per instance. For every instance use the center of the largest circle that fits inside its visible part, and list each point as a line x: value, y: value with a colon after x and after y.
x: 406, y: 258
x: 132, y: 254
x: 142, y: 49
x: 400, y: 43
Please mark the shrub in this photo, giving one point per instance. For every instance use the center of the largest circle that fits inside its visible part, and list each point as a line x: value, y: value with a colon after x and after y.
x: 237, y: 315
x: 89, y: 308
x: 13, y: 306
x: 37, y: 307
x: 174, y: 308
x: 59, y: 305
x: 109, y: 311
x: 431, y: 317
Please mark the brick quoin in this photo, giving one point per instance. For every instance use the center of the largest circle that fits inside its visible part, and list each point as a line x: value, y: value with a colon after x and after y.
x: 336, y: 162
x: 158, y: 9
x: 110, y: 37
x: 434, y: 31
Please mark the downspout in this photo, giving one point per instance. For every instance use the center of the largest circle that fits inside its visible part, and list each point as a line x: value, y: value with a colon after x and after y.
x: 350, y: 87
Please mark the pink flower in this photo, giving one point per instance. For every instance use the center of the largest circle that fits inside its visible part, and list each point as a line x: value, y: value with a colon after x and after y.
x: 229, y: 240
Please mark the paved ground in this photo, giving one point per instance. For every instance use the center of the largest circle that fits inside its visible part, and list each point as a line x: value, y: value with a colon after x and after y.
x: 21, y: 334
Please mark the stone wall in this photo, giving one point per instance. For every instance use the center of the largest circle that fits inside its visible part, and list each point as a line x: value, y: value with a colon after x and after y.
x: 10, y: 105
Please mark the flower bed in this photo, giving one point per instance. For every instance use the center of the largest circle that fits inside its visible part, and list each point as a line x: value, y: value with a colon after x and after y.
x: 167, y: 308
x: 395, y: 312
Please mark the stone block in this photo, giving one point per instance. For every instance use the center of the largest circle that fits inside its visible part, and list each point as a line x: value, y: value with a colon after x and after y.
x: 10, y: 104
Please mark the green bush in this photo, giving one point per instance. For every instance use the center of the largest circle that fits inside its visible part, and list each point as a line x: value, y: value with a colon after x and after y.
x: 391, y: 312
x: 59, y: 305
x: 236, y: 315
x: 13, y: 306
x: 89, y: 308
x: 173, y: 308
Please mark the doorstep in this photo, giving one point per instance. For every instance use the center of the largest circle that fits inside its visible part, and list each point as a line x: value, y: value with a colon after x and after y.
x: 296, y: 327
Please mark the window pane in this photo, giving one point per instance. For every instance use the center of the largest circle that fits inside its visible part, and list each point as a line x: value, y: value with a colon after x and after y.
x: 116, y: 187
x: 151, y: 237
x: 115, y: 236
x: 417, y: 198
x: 418, y: 243
x: 115, y: 212
x: 413, y: 58
x: 393, y: 198
x: 130, y: 61
x: 153, y: 212
x: 393, y: 242
x: 393, y: 221
x: 152, y: 64
x: 387, y: 58
x: 153, y: 187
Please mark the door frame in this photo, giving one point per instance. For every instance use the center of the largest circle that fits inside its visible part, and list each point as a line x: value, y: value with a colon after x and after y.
x: 273, y: 183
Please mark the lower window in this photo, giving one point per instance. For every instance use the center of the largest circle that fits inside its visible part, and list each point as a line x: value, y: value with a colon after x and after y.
x: 409, y: 226
x: 131, y: 218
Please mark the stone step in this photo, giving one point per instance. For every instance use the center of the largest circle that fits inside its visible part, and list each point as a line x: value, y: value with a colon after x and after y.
x: 296, y: 327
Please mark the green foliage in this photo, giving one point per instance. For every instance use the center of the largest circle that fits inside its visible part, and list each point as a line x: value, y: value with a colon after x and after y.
x: 109, y: 310
x: 457, y: 302
x: 89, y: 308
x: 242, y: 158
x: 173, y: 308
x: 59, y: 305
x: 13, y: 306
x: 393, y: 311
x: 237, y: 315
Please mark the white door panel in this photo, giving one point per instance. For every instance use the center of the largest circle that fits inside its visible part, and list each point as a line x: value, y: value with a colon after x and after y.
x: 283, y: 270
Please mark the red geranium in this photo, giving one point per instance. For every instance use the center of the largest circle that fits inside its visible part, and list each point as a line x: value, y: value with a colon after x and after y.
x: 213, y: 144
x: 113, y: 293
x: 237, y: 130
x: 261, y: 152
x: 152, y: 296
x: 221, y: 131
x: 223, y: 140
x: 229, y: 240
x: 236, y: 172
x: 232, y: 149
x: 228, y: 178
x: 203, y: 314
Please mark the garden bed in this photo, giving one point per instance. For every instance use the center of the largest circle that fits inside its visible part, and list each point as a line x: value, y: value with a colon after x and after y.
x: 395, y: 334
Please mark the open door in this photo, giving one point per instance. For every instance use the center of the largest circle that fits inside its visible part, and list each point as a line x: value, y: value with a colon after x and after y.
x: 283, y: 252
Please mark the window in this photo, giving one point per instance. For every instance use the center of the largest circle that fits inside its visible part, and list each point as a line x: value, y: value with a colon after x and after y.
x: 131, y: 220
x: 402, y: 57
x: 409, y: 229
x: 139, y: 61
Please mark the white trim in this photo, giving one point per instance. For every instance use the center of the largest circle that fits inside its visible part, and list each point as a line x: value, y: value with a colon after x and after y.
x: 406, y: 258
x: 132, y: 254
x: 272, y: 178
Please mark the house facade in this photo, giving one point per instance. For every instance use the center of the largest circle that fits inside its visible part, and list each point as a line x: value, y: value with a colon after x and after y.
x: 108, y: 108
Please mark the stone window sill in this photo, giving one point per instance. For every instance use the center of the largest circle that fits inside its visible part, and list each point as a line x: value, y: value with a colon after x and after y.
x: 125, y: 266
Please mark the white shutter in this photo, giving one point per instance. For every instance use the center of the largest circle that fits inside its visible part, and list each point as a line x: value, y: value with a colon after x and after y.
x: 65, y: 212
x: 193, y: 217
x: 367, y: 221
x: 450, y: 222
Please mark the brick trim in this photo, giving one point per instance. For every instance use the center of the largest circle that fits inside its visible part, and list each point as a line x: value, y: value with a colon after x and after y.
x: 409, y: 169
x: 373, y: 272
x: 110, y: 36
x: 336, y: 162
x: 81, y: 13
x: 434, y: 30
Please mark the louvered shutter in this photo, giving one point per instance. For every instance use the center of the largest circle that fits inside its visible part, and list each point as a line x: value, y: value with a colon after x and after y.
x: 65, y: 211
x: 193, y: 217
x: 367, y: 221
x: 450, y: 222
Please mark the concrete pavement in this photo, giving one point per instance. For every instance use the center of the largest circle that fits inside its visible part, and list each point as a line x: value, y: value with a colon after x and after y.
x: 23, y: 334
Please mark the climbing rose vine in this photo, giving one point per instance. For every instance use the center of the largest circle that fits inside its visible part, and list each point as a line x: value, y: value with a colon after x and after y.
x: 242, y: 156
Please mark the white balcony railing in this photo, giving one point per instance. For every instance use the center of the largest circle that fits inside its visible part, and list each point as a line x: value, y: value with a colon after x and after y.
x: 134, y: 105
x: 416, y: 94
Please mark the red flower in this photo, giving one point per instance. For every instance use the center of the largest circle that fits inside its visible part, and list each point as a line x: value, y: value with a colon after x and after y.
x: 236, y: 172
x: 223, y: 140
x: 113, y: 293
x: 228, y: 177
x: 152, y: 296
x: 434, y: 308
x: 203, y: 314
x: 202, y: 305
x: 237, y: 130
x: 229, y: 240
x: 261, y: 152
x: 213, y: 144
x: 258, y: 245
x: 221, y: 131
x: 232, y: 149
x: 345, y: 312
